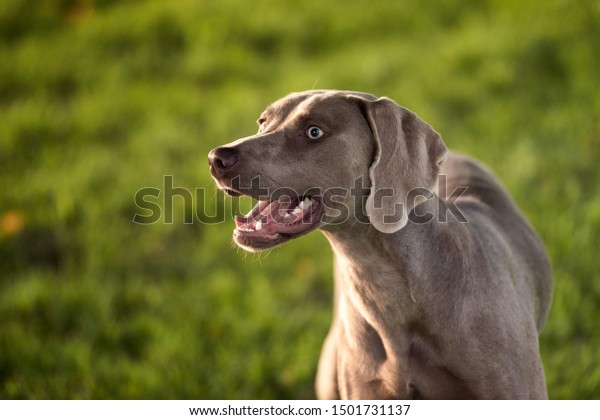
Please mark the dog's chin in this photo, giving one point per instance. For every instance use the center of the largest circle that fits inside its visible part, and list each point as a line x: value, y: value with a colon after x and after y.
x: 272, y: 223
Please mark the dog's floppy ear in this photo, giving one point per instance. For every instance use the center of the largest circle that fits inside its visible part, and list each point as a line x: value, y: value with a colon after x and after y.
x: 407, y: 156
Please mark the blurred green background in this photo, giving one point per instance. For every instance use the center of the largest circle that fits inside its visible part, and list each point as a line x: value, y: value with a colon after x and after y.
x: 101, y: 98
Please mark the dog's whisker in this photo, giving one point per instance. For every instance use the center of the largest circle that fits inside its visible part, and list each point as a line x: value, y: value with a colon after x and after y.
x: 315, y: 84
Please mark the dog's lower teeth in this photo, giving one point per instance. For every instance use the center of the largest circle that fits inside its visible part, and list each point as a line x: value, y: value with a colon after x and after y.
x: 258, y: 225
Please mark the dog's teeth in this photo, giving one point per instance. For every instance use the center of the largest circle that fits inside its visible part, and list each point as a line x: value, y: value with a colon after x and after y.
x: 297, y: 210
x: 258, y: 225
x: 307, y: 202
x: 285, y: 216
x: 302, y: 205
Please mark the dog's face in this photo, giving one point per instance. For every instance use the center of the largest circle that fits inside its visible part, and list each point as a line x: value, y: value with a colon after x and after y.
x: 326, y: 158
x: 301, y: 166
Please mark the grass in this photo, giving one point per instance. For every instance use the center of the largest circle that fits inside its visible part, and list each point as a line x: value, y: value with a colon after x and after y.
x: 101, y: 98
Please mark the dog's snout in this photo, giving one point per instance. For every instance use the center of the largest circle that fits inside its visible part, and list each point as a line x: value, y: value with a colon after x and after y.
x: 222, y: 159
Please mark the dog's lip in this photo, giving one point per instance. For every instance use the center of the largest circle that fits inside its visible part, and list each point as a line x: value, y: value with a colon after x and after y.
x: 231, y: 192
x: 272, y: 222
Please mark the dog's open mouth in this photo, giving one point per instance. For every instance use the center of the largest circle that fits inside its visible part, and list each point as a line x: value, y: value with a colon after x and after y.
x: 271, y: 223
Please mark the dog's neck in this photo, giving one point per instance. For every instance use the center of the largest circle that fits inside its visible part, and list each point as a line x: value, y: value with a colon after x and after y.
x: 378, y: 274
x: 370, y: 288
x: 374, y: 286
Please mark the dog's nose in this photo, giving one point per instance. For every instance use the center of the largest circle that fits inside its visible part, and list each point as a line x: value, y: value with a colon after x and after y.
x: 222, y: 159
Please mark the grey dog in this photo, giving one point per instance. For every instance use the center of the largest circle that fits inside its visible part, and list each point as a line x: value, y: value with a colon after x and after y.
x: 435, y: 296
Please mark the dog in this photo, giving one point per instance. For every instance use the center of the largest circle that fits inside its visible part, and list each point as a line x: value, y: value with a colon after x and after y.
x: 437, y: 296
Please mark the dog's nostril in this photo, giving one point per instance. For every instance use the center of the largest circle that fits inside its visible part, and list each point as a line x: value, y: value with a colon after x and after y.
x: 223, y: 158
x: 222, y: 164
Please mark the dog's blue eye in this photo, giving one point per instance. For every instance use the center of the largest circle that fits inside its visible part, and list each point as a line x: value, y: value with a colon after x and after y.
x: 314, y: 132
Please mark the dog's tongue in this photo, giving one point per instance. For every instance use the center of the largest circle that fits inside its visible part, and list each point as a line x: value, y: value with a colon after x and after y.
x: 284, y: 215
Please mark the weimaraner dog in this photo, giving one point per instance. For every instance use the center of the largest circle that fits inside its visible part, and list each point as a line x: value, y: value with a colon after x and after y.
x: 441, y: 285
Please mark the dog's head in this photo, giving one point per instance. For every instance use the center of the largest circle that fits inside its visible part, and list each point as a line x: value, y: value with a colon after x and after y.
x: 326, y: 158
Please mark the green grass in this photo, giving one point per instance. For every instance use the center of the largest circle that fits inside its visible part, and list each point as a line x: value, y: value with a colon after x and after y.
x: 101, y: 98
